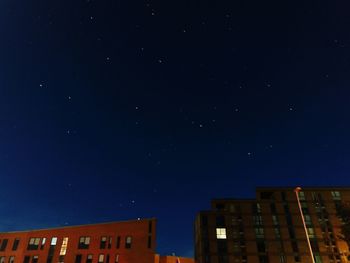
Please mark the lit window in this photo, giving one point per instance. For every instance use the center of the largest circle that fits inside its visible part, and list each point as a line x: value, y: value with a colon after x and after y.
x: 101, y: 258
x: 301, y: 195
x: 221, y: 233
x: 12, y: 259
x: 128, y: 241
x: 53, y: 241
x: 84, y: 242
x: 117, y: 259
x: 258, y: 208
x: 64, y: 246
x: 2, y: 259
x: 336, y: 195
x: 311, y: 232
x: 35, y: 259
x: 259, y: 232
x: 43, y: 241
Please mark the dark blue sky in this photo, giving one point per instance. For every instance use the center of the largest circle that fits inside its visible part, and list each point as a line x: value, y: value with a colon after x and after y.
x: 113, y: 110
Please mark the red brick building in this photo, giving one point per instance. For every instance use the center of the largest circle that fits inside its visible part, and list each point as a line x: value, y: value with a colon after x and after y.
x: 124, y: 242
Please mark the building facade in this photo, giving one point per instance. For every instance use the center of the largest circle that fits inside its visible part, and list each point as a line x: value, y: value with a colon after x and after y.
x: 270, y: 229
x: 116, y: 242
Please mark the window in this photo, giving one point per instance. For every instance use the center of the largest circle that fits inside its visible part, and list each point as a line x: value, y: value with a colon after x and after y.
x: 232, y: 208
x: 311, y: 232
x: 282, y: 259
x: 43, y: 241
x: 220, y: 221
x: 35, y: 259
x: 64, y: 246
x: 258, y: 220
x: 263, y: 259
x: 103, y: 242
x: 308, y: 221
x: 12, y: 259
x: 26, y: 259
x: 275, y: 220
x: 259, y: 232
x: 89, y: 258
x: 302, y: 195
x: 3, y: 244
x: 149, y: 243
x: 266, y: 195
x: 277, y: 233
x: 118, y: 242
x: 128, y: 240
x: 336, y: 195
x: 101, y: 258
x: 297, y: 259
x: 221, y: 233
x: 15, y: 244
x: 84, y: 243
x: 116, y: 258
x: 2, y: 259
x: 295, y: 246
x: 33, y: 243
x: 222, y: 246
x: 261, y: 246
x: 78, y: 258
x: 53, y: 241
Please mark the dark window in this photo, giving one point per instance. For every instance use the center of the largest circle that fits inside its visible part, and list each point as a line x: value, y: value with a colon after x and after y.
x: 261, y: 246
x: 291, y: 232
x: 204, y: 220
x: 220, y: 206
x: 222, y: 246
x: 103, y: 242
x: 263, y: 259
x: 3, y: 244
x: 295, y: 246
x: 149, y: 243
x: 33, y: 243
x: 78, y: 258
x: 107, y: 258
x: 26, y: 259
x: 61, y: 259
x: 128, y: 241
x: 220, y: 221
x: 43, y: 241
x: 118, y: 242
x: 266, y: 195
x: 89, y: 258
x: 84, y: 243
x: 297, y: 259
x: 283, y: 195
x: 15, y: 244
x: 223, y: 259
x: 273, y: 208
x: 150, y: 227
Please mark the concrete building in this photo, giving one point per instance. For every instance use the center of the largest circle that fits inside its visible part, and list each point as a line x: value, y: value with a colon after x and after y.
x: 270, y: 229
x: 131, y: 241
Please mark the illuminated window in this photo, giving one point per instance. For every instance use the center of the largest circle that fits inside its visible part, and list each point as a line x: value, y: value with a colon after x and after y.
x: 101, y: 258
x: 15, y: 244
x: 301, y: 195
x: 53, y: 241
x: 89, y: 258
x: 12, y: 259
x: 117, y: 259
x: 35, y: 259
x: 259, y: 232
x: 84, y: 243
x: 103, y: 242
x: 43, y: 241
x: 258, y: 208
x: 64, y: 246
x: 33, y: 243
x: 311, y: 232
x: 221, y: 233
x: 336, y: 195
x: 2, y: 259
x: 128, y: 241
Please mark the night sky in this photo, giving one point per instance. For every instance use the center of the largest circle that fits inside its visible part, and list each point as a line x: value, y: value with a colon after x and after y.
x: 118, y: 109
